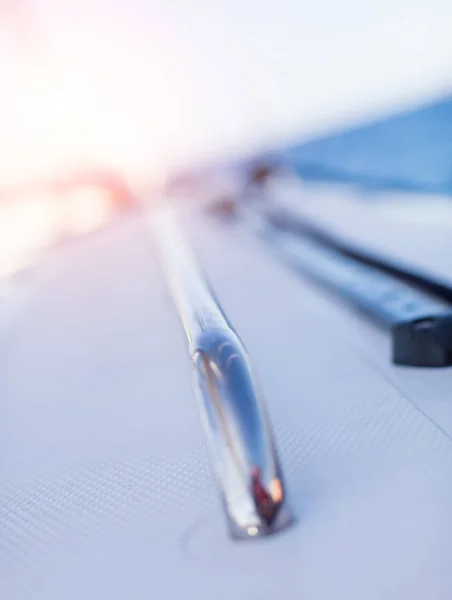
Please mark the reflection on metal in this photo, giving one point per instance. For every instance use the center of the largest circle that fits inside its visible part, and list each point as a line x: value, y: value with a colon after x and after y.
x: 233, y: 414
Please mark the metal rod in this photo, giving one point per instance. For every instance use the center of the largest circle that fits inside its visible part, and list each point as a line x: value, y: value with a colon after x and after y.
x: 234, y: 417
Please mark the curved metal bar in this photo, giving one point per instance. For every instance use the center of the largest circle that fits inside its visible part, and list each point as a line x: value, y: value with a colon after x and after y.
x: 232, y: 409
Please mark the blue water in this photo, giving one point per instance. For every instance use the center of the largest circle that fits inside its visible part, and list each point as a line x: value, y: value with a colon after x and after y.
x: 409, y: 151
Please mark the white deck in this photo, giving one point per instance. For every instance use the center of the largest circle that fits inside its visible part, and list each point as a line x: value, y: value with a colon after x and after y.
x: 106, y: 490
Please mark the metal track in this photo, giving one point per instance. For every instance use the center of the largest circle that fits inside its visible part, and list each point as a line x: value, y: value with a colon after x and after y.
x: 420, y: 323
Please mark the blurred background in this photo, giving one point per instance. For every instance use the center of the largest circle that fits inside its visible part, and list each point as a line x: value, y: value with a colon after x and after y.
x: 135, y: 90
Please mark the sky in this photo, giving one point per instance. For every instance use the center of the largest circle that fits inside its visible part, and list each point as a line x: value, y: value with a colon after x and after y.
x: 143, y: 86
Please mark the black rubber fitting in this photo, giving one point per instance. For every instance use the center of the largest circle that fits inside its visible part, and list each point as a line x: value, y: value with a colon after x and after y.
x: 426, y: 342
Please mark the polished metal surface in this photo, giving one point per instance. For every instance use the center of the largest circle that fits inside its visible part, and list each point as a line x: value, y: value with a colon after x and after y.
x: 232, y: 410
